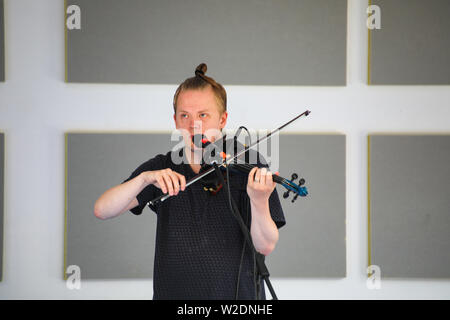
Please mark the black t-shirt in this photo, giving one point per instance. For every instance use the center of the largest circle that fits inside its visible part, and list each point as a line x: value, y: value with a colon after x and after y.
x: 199, y: 244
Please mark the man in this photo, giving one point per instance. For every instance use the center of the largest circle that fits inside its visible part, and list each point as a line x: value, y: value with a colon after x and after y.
x: 200, y: 250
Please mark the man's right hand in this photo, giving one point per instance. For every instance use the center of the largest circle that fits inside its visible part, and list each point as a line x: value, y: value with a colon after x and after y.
x: 167, y: 180
x: 122, y: 197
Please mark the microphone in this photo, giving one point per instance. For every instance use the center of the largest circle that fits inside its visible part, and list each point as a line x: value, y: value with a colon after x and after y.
x: 212, y: 152
x: 200, y: 141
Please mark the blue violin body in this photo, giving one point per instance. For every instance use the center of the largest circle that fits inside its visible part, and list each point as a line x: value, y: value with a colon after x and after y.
x: 212, y: 182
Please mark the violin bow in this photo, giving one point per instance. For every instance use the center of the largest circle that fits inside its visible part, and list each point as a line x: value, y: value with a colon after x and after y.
x: 227, y: 161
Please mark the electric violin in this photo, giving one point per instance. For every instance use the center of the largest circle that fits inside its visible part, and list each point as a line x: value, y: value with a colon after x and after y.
x: 213, y: 185
x: 244, y: 168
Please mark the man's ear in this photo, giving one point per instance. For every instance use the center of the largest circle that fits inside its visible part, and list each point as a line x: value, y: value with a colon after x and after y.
x: 223, y: 119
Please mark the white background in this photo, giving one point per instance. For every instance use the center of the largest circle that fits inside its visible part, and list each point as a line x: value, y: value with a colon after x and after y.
x: 37, y: 107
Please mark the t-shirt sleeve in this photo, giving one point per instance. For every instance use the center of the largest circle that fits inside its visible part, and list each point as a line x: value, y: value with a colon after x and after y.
x: 150, y: 192
x: 276, y: 211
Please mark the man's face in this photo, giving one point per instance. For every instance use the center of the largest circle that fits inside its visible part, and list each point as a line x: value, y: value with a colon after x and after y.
x: 198, y: 113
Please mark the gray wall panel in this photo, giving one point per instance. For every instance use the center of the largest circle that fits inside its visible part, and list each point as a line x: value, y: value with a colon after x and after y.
x: 312, y: 244
x: 122, y: 247
x: 413, y: 45
x: 410, y: 205
x: 256, y: 42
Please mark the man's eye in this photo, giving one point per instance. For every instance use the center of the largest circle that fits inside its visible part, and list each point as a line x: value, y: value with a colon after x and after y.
x: 203, y: 115
x: 184, y: 115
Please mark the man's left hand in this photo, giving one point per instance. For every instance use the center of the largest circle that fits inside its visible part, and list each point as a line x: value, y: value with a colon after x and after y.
x: 260, y: 185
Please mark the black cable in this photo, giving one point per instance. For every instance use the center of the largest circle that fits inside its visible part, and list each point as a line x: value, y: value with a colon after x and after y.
x: 236, y: 135
x: 256, y: 277
x: 243, y: 243
x: 234, y: 211
x: 238, y: 281
x: 263, y: 273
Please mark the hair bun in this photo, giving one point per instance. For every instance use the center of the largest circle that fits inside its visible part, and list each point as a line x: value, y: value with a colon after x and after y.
x: 201, y: 69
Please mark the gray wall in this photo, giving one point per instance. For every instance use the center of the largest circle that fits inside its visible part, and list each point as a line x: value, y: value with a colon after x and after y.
x: 413, y: 45
x: 36, y: 126
x: 312, y: 244
x: 410, y: 205
x: 2, y: 42
x: 2, y: 198
x: 252, y: 42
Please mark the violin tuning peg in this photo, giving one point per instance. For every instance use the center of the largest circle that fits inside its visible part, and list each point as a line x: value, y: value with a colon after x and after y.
x: 294, y: 176
x: 301, y: 182
x: 295, y: 198
x: 286, y: 194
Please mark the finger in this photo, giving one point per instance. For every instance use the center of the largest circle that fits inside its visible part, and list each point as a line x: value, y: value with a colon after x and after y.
x: 162, y: 184
x: 272, y: 182
x: 263, y: 175
x: 175, y: 182
x: 269, y: 179
x: 182, y: 181
x: 168, y: 182
x: 251, y: 176
x: 258, y: 175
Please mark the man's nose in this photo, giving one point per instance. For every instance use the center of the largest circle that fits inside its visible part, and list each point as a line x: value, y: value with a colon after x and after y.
x: 196, y: 125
